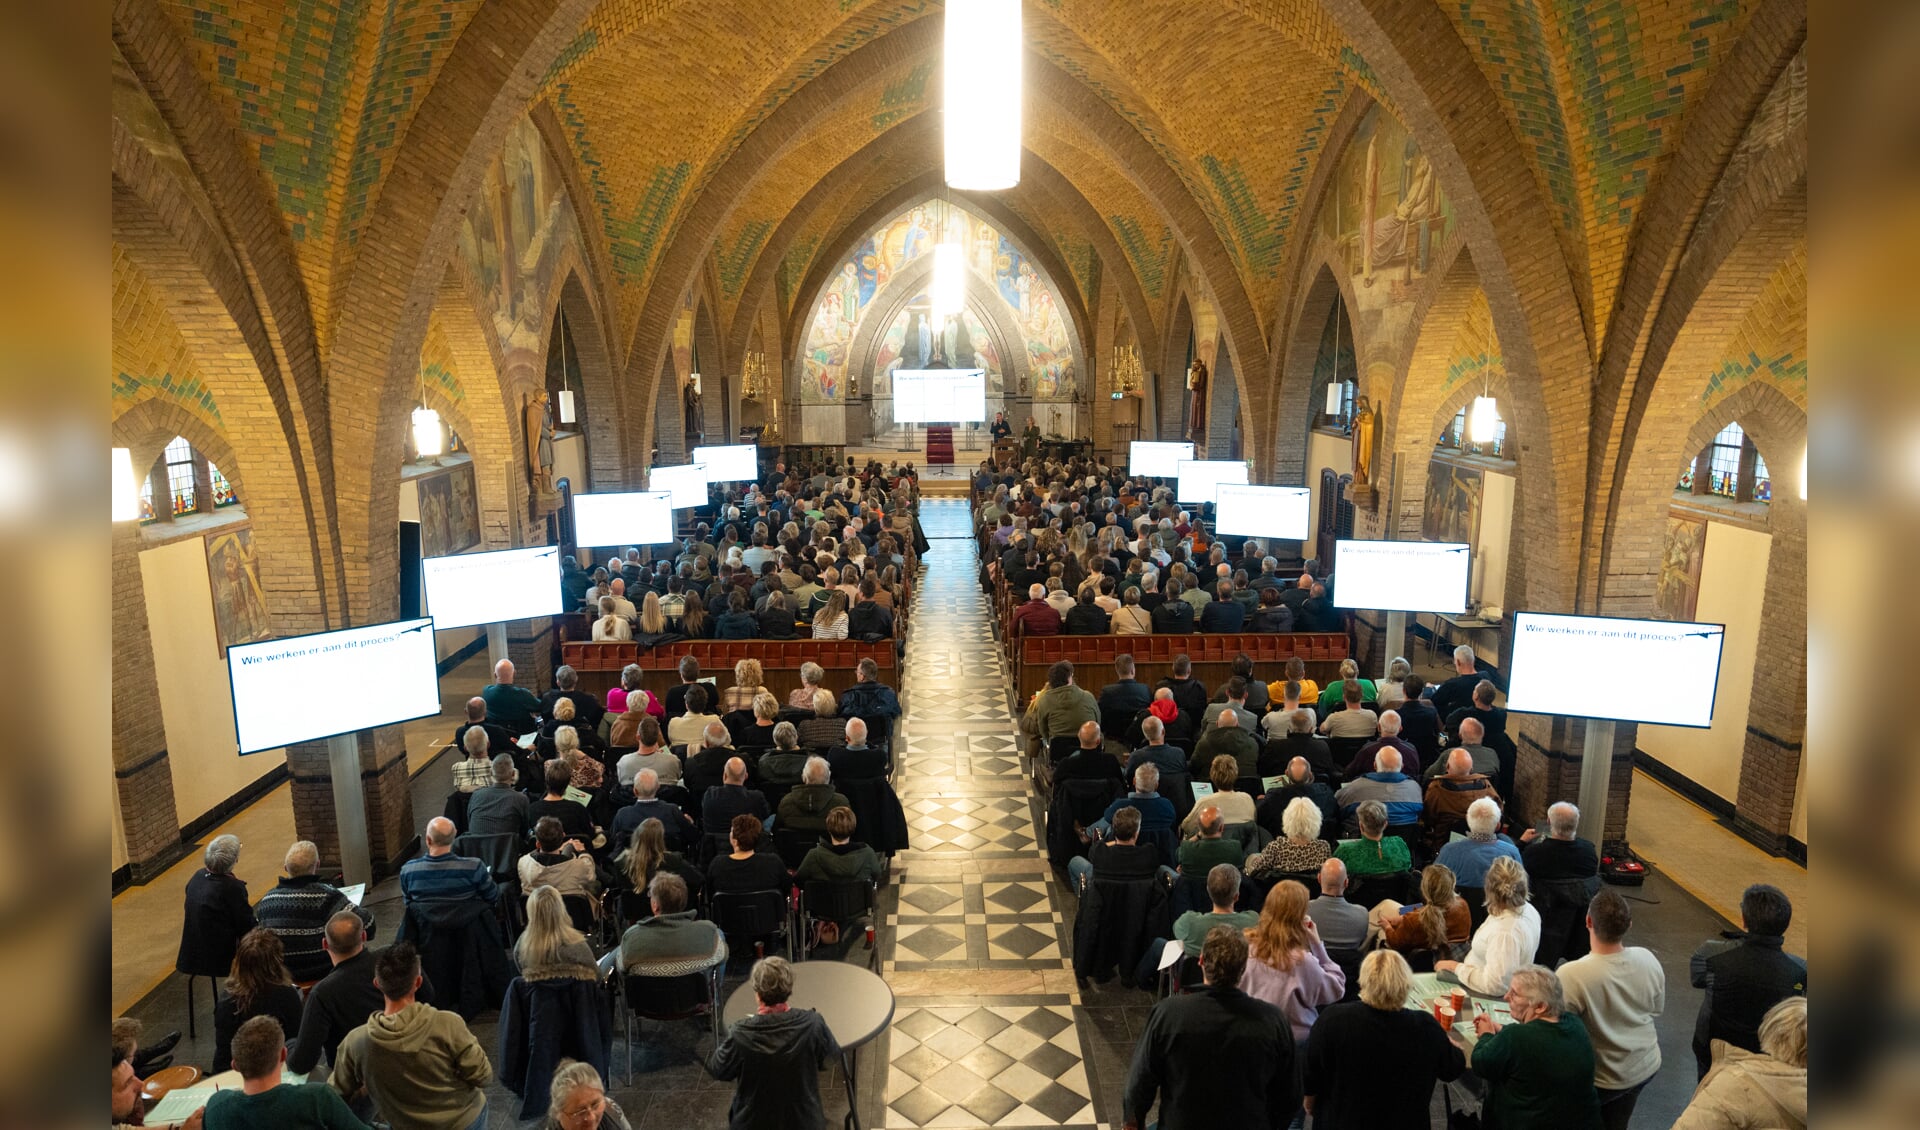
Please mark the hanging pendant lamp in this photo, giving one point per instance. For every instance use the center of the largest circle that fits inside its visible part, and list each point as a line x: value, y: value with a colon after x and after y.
x: 981, y: 92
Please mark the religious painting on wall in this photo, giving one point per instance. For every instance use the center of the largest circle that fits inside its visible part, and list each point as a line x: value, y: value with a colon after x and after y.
x: 239, y: 605
x: 1452, y: 509
x: 1677, y: 593
x: 449, y: 521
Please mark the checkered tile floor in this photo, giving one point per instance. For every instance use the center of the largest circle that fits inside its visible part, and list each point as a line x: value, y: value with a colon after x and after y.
x: 973, y: 908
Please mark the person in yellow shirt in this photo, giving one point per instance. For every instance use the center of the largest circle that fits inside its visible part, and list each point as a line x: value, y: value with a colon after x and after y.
x: 1296, y: 672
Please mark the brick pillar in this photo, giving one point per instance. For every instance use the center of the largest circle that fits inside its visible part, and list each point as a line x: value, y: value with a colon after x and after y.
x: 530, y: 646
x: 1223, y: 400
x: 143, y: 779
x: 1777, y: 715
x: 1551, y: 755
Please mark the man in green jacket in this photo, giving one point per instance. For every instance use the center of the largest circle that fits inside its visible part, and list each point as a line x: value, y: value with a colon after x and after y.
x: 839, y: 860
x: 1539, y: 1069
x: 1060, y: 709
x: 422, y: 1067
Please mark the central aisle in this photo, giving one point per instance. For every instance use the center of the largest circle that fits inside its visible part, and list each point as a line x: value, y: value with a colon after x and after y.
x: 976, y: 942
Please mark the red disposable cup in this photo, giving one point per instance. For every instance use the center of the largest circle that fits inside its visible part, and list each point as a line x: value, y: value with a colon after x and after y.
x: 1444, y: 1013
x: 1459, y: 1001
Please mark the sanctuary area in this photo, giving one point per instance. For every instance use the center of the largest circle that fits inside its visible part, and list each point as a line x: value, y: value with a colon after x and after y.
x: 1018, y: 563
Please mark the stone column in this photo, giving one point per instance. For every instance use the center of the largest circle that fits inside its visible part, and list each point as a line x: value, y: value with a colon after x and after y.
x: 143, y: 780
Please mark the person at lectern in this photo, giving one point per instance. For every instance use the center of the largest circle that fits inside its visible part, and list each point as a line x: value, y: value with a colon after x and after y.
x: 1001, y: 428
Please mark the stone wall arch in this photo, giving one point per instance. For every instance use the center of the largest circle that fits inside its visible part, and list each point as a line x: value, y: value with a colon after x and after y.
x: 1294, y: 410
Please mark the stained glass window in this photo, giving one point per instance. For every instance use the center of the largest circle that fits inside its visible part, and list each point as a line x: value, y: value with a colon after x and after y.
x: 1456, y: 430
x: 223, y: 494
x: 1762, y: 481
x: 147, y: 513
x: 1723, y: 464
x: 179, y: 459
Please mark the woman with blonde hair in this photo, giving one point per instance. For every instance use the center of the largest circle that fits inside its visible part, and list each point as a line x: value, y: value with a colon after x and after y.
x: 1343, y: 1081
x: 1287, y: 964
x: 653, y: 619
x: 1440, y: 923
x: 811, y: 676
x: 578, y: 1101
x: 550, y: 949
x: 830, y: 623
x: 611, y: 627
x: 1336, y: 690
x: 1748, y: 1089
x: 1506, y: 940
x: 1235, y: 806
x: 1389, y: 691
x: 747, y: 677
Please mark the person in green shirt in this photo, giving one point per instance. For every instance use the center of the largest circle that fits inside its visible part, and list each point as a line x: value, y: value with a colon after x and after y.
x: 1375, y: 852
x: 1335, y: 690
x: 1539, y: 1068
x: 259, y: 1055
x: 1202, y: 855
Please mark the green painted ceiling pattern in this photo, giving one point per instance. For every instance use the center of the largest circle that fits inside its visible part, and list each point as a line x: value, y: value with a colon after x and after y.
x: 151, y: 359
x: 1148, y: 245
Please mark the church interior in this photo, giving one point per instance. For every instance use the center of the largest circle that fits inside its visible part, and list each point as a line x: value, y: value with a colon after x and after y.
x: 399, y: 280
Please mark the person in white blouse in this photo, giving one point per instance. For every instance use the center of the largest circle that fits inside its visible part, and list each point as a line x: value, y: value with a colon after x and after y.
x: 611, y: 627
x: 1506, y: 940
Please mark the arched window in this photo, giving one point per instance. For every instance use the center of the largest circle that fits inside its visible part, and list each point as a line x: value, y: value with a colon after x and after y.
x: 223, y: 494
x: 179, y: 459
x: 1455, y: 437
x: 1729, y: 467
x: 191, y: 485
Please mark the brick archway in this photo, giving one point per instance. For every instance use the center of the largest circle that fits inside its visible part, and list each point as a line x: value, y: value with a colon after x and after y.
x: 1293, y: 396
x: 986, y: 302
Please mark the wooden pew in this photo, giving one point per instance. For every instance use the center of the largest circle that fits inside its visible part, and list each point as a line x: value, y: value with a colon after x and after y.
x: 599, y: 664
x: 1212, y: 656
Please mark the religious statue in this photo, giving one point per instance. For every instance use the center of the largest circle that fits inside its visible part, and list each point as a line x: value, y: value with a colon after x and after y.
x: 1196, y: 400
x: 1365, y: 423
x: 691, y: 419
x: 539, y: 427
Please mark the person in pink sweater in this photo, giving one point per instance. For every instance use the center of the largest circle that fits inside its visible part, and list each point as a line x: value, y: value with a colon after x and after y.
x: 1287, y: 964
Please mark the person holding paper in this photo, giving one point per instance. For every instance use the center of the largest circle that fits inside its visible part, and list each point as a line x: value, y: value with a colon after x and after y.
x: 260, y: 1056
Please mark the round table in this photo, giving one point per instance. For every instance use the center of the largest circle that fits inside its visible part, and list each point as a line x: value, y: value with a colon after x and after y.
x: 856, y: 1004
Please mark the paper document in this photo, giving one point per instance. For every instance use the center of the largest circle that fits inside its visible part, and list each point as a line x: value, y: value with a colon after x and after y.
x: 1269, y: 783
x: 1171, y: 954
x: 179, y: 1104
x: 1202, y: 788
x: 355, y: 894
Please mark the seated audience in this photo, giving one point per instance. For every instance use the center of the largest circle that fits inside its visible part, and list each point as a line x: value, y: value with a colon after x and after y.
x: 342, y: 999
x: 1089, y: 760
x: 1346, y: 1089
x: 566, y: 685
x: 776, y: 620
x: 746, y: 868
x: 1297, y: 782
x: 1224, y: 613
x: 649, y: 752
x: 261, y: 1099
x: 1390, y: 692
x: 554, y: 863
x: 1469, y: 858
x: 1335, y: 691
x: 1216, y: 1057
x: 1620, y: 992
x: 1352, y: 720
x: 748, y: 680
x: 1175, y: 616
x: 779, y: 767
x: 869, y: 619
x: 736, y: 623
x: 1398, y: 793
x: 825, y: 727
x: 687, y: 728
x: 441, y: 876
x: 1539, y: 1067
x: 1235, y: 696
x: 1208, y: 849
x: 1036, y: 617
x: 571, y: 813
x: 1389, y: 739
x: 1234, y: 806
x: 805, y: 807
x: 1375, y: 852
x: 1299, y: 847
x: 1270, y: 615
x: 578, y: 1101
x: 1506, y: 940
x: 869, y: 698
x: 583, y: 772
x: 1156, y: 811
x: 550, y: 949
x: 1119, y: 855
x: 1342, y: 925
x: 475, y: 770
x: 510, y: 707
x: 1157, y: 752
x: 1457, y: 691
x: 217, y: 914
x: 1754, y: 1089
x: 830, y: 618
x: 422, y: 1067
x: 1130, y: 619
x: 721, y: 805
x: 1085, y: 617
x: 1440, y: 923
x: 1226, y: 738
x: 673, y: 939
x: 777, y: 1054
x: 1287, y: 964
x: 1745, y: 974
x: 1176, y: 725
x: 812, y: 675
x: 1562, y: 854
x: 298, y: 908
x: 500, y: 809
x: 1298, y: 740
x: 1060, y: 709
x: 258, y: 987
x: 854, y: 759
x: 675, y: 703
x: 1471, y: 739
x: 840, y: 860
x: 498, y: 739
x: 759, y: 735
x: 1450, y: 795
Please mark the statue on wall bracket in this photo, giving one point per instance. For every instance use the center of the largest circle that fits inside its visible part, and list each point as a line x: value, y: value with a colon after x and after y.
x: 1363, y: 492
x: 543, y: 499
x: 1197, y: 401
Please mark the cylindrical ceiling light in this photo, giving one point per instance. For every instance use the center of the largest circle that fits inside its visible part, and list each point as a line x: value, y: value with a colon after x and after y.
x: 1336, y: 397
x: 949, y: 290
x: 126, y: 488
x: 1482, y: 420
x: 427, y: 439
x: 566, y: 406
x: 981, y: 84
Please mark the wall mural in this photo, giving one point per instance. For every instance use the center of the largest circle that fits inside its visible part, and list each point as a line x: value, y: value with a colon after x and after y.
x: 910, y: 343
x: 1390, y: 221
x: 239, y: 605
x: 1452, y: 507
x: 1677, y: 592
x: 513, y: 240
x: 449, y: 520
x: 838, y: 312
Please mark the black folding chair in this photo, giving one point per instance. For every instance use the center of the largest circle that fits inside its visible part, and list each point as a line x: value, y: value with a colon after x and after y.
x: 793, y: 845
x: 841, y: 903
x: 753, y: 917
x: 681, y: 997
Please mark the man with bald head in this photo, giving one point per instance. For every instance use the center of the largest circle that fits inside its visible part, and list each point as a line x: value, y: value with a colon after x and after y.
x: 509, y: 706
x: 442, y: 876
x: 732, y: 798
x: 622, y: 607
x: 344, y: 996
x: 1342, y: 925
x: 498, y: 739
x: 299, y: 908
x: 1390, y: 726
x: 1227, y: 738
x: 1090, y: 761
